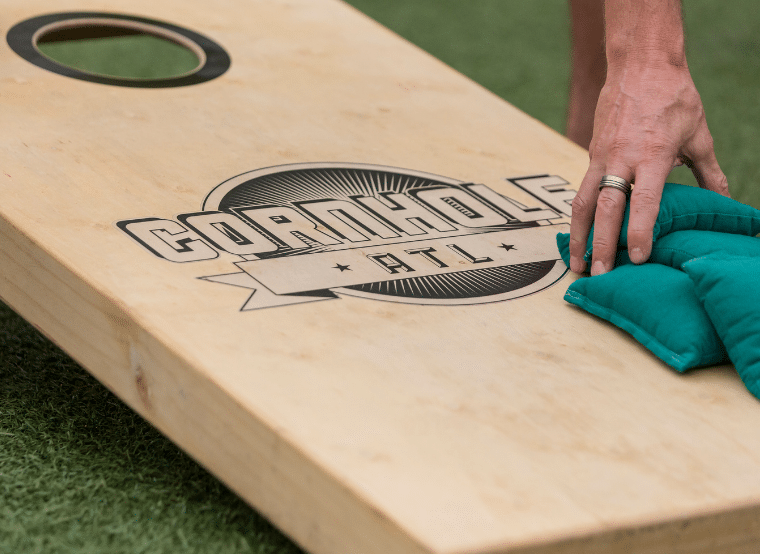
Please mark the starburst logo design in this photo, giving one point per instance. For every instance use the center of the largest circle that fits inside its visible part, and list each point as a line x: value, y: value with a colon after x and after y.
x: 310, y: 232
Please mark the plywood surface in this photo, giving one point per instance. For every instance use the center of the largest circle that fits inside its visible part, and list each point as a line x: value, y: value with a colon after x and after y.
x: 354, y: 424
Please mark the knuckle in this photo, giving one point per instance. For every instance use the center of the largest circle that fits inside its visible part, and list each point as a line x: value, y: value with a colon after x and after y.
x: 722, y: 185
x: 617, y: 148
x: 577, y: 247
x: 604, y: 250
x: 596, y: 151
x: 646, y: 198
x: 576, y: 242
x: 580, y: 206
x: 607, y: 205
x: 603, y: 245
x: 701, y: 145
x: 610, y: 149
x: 592, y: 149
x: 657, y: 150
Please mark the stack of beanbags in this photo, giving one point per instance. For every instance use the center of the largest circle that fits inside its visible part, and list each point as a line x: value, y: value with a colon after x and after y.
x: 696, y: 301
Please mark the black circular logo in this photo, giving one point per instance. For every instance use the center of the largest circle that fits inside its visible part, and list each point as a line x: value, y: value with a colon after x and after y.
x: 436, y: 240
x: 22, y: 38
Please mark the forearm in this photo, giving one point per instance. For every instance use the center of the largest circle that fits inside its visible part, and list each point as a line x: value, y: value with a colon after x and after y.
x: 587, y: 33
x: 589, y: 68
x: 649, y: 118
x: 644, y: 33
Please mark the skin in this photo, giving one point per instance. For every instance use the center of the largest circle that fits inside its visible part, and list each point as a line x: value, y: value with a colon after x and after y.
x: 589, y: 68
x: 648, y: 119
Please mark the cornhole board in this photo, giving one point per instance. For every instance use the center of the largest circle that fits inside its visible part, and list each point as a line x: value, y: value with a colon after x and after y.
x: 328, y: 273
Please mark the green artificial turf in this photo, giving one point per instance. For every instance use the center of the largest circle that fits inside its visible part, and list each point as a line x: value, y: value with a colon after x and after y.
x: 80, y: 472
x: 128, y: 57
x: 519, y: 50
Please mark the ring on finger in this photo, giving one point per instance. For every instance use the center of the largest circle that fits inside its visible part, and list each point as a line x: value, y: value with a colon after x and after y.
x: 615, y: 182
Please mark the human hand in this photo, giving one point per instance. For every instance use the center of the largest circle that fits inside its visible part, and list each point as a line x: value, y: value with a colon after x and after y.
x: 649, y: 118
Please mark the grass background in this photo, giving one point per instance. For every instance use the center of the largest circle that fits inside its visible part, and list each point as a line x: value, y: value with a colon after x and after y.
x: 80, y: 472
x: 128, y: 57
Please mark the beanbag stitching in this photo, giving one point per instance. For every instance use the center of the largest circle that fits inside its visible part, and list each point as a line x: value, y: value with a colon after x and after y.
x: 704, y: 257
x: 692, y: 214
x: 659, y: 350
x: 671, y: 250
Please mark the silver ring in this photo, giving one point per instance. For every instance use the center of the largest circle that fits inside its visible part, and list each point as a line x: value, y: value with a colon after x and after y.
x: 615, y: 182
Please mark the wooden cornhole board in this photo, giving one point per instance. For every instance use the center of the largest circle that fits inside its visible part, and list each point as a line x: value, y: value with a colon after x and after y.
x: 474, y: 413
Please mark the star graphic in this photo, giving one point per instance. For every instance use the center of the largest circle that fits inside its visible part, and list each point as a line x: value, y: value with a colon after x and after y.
x: 507, y: 247
x: 342, y: 268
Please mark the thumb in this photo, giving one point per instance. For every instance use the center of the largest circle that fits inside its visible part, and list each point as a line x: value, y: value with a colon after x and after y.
x: 703, y: 163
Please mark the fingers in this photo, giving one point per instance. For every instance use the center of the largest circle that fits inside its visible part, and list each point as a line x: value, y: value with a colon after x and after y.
x: 584, y: 207
x: 610, y: 207
x: 645, y: 206
x: 608, y: 218
x: 704, y: 164
x: 604, y: 209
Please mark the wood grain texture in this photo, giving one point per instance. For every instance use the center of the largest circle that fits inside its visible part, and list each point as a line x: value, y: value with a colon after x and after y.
x: 355, y: 425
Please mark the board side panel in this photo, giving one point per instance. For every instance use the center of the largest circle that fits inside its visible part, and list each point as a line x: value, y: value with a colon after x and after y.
x: 253, y: 459
x: 731, y: 532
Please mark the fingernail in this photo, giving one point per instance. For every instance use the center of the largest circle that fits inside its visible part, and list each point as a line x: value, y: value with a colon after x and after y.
x: 577, y: 265
x: 597, y: 269
x: 637, y: 256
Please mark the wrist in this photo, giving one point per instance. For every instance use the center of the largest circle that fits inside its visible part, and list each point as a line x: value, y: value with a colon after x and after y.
x: 625, y: 55
x: 645, y: 34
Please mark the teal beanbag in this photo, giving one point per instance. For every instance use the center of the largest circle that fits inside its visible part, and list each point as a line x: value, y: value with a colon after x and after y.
x: 563, y: 245
x: 729, y: 288
x: 683, y: 208
x: 678, y: 248
x: 662, y: 307
x: 658, y: 306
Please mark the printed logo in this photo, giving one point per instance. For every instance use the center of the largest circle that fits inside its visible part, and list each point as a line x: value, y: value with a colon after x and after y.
x: 309, y: 232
